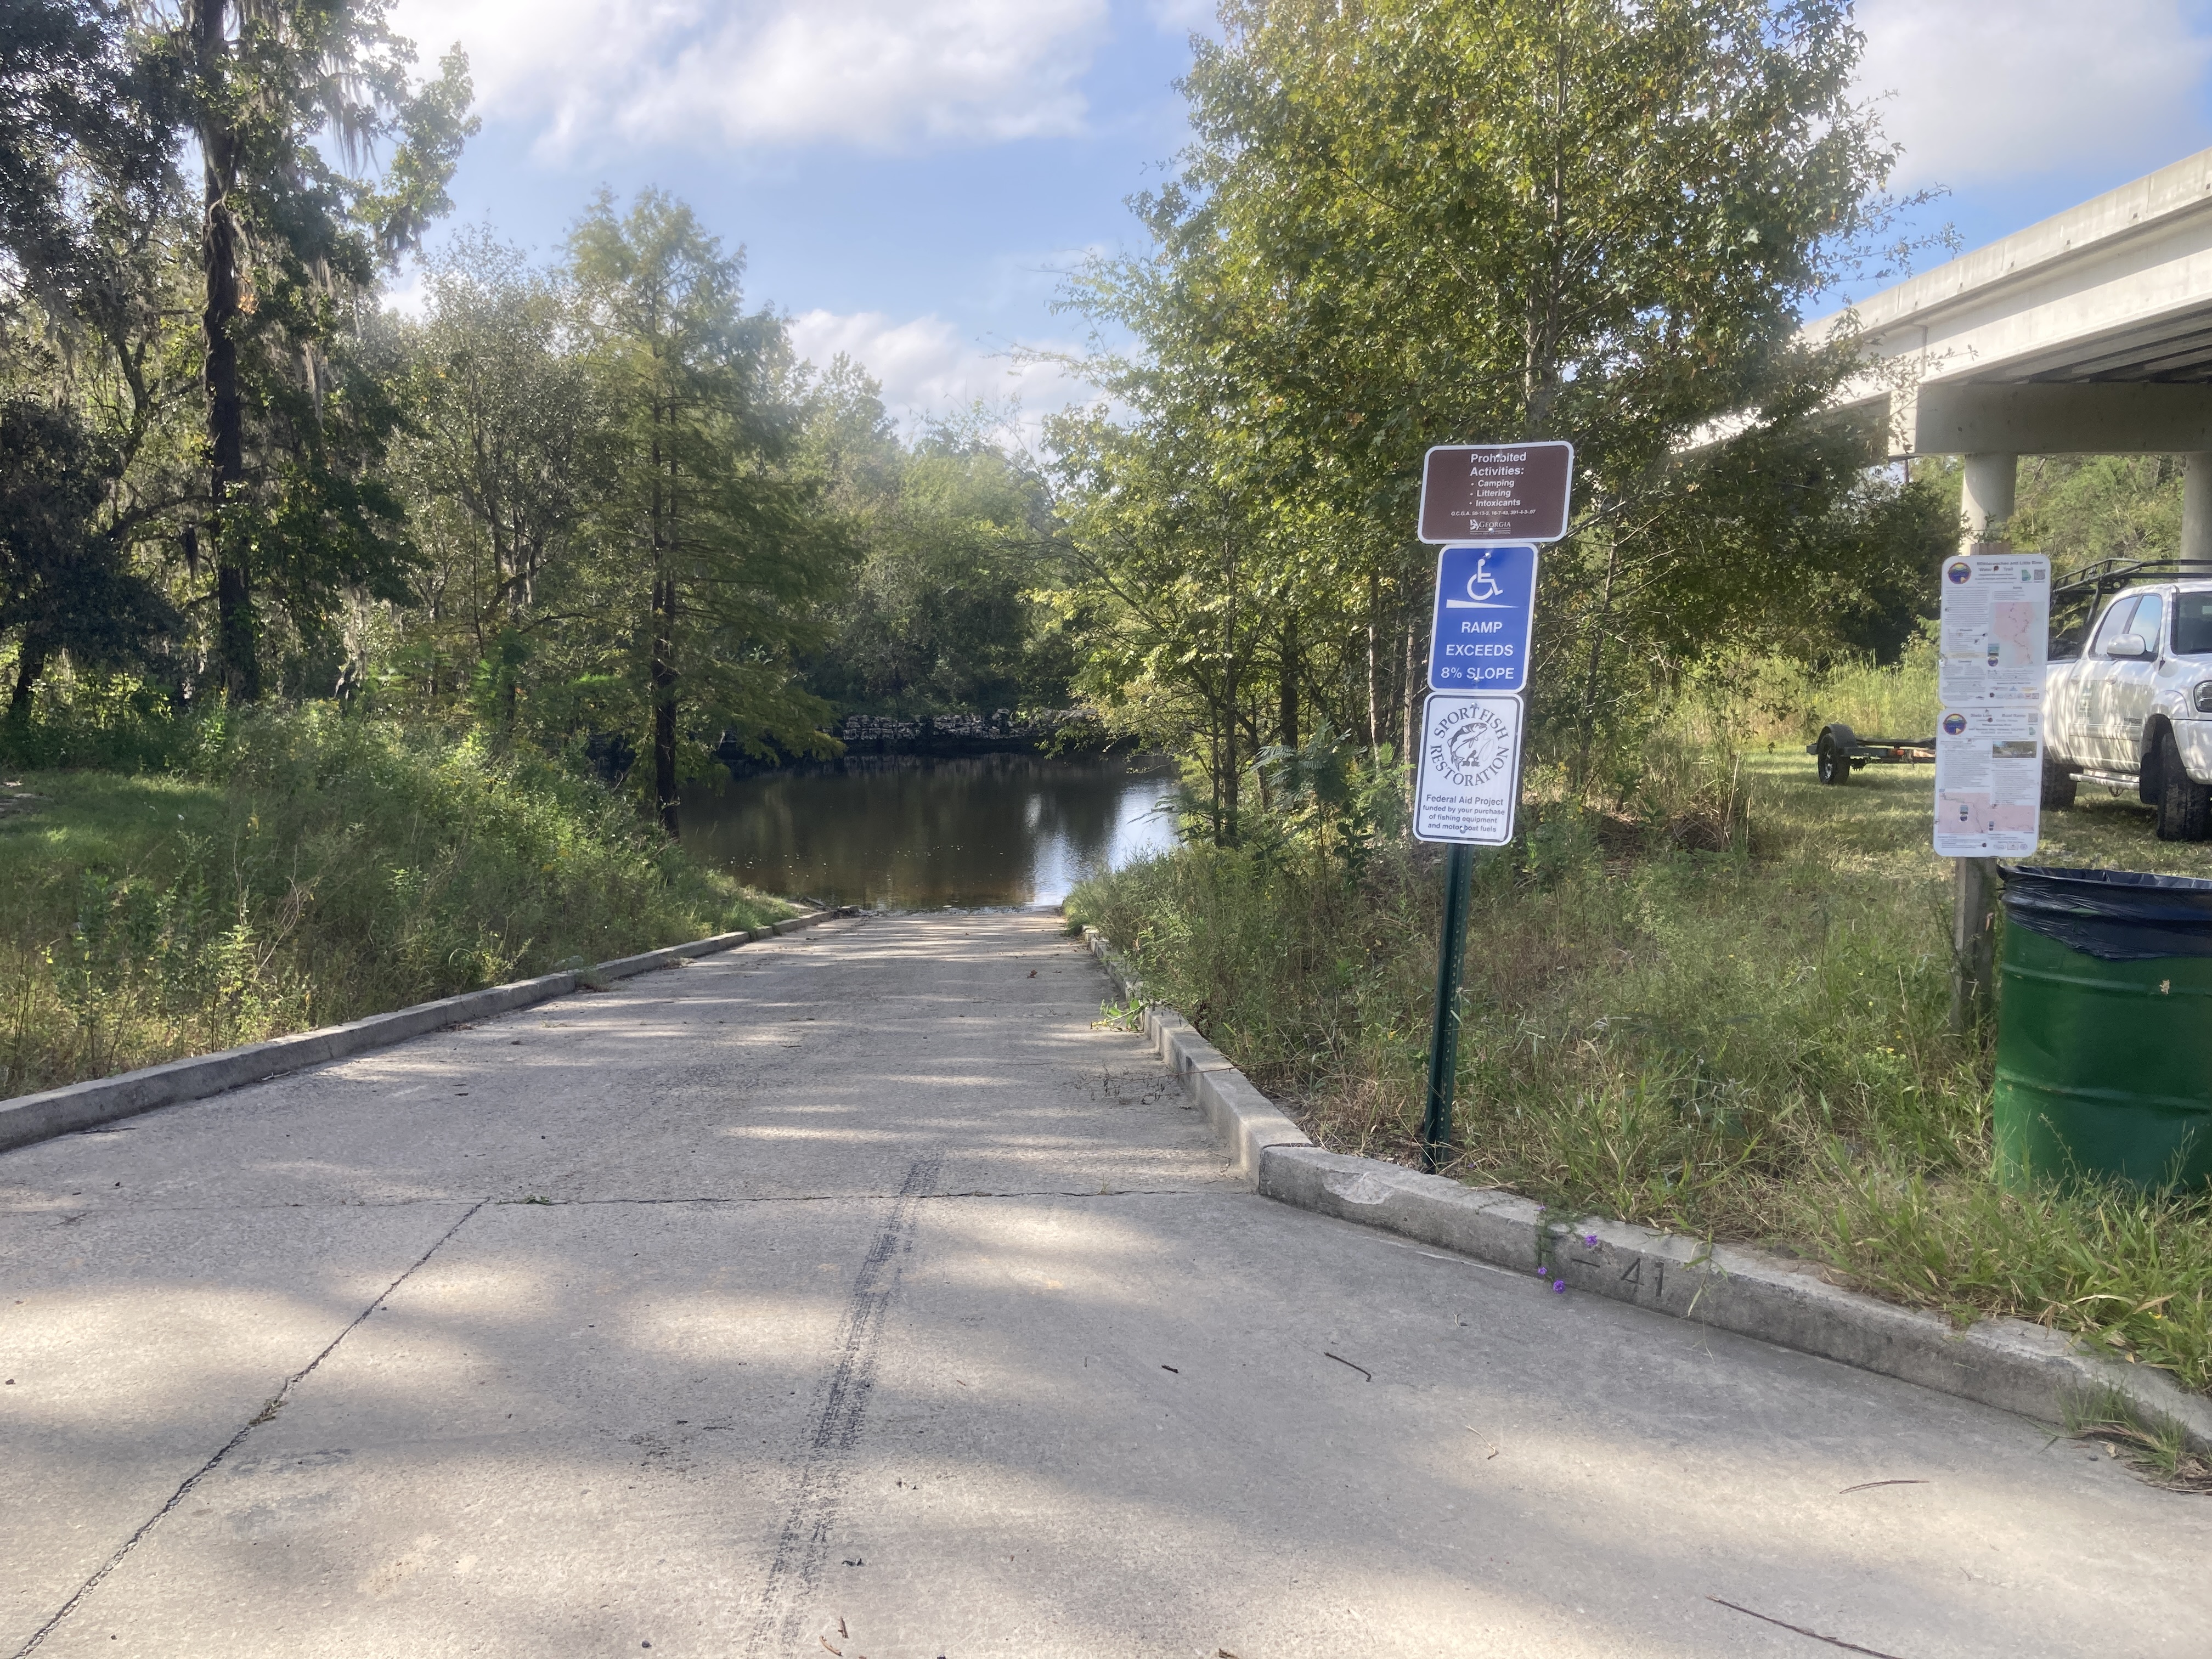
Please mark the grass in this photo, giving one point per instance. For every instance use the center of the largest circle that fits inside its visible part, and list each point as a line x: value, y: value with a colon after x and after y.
x: 300, y: 869
x: 1716, y: 1005
x: 2157, y: 1449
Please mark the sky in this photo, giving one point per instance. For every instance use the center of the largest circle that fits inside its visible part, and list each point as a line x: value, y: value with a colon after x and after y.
x: 909, y: 178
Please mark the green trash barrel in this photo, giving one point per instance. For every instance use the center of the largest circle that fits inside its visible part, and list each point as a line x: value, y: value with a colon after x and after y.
x: 2104, y: 1027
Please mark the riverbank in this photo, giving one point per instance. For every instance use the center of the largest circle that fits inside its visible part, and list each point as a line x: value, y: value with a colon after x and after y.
x: 964, y: 735
x: 298, y: 869
x: 1724, y: 1018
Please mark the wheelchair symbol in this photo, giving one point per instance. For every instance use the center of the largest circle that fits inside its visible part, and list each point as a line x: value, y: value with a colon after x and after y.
x: 1482, y: 590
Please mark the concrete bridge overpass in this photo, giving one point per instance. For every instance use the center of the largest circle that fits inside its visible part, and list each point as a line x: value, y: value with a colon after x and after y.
x: 2089, y: 333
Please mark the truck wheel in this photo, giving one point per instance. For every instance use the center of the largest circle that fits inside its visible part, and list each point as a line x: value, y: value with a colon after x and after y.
x: 2059, y: 785
x: 1833, y: 759
x: 2185, y: 805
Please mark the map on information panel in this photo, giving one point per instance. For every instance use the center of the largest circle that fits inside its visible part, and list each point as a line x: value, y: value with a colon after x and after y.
x: 1994, y: 642
x: 1995, y: 629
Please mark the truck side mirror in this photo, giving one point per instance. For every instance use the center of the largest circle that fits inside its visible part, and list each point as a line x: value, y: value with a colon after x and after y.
x: 2128, y: 644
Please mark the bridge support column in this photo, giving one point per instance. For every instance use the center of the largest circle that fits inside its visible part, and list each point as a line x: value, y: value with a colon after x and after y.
x: 2196, y: 509
x: 1985, y: 498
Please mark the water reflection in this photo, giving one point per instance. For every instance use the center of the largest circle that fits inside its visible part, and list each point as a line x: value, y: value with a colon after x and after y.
x: 915, y: 834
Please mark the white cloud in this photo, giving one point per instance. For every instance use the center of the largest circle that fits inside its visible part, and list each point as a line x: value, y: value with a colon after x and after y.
x: 927, y: 368
x: 407, y: 291
x: 873, y: 73
x: 1185, y: 17
x: 2001, y: 89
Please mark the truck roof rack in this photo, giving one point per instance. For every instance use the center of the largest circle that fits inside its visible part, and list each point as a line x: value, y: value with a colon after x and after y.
x: 2105, y: 576
x: 2074, y: 601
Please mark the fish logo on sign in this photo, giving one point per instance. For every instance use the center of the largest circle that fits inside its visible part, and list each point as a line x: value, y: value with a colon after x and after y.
x: 1477, y: 750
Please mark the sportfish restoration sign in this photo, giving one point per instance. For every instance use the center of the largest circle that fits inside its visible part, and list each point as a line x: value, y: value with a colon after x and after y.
x: 1470, y: 770
x: 1496, y: 492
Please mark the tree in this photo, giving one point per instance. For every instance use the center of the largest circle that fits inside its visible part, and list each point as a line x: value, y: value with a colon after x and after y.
x: 290, y: 246
x: 1409, y: 222
x: 955, y: 534
x: 64, y: 586
x: 705, y: 549
x: 1178, y: 586
x: 86, y: 112
x: 503, y: 424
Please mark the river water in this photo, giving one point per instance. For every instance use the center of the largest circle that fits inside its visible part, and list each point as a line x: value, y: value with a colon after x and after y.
x: 906, y: 833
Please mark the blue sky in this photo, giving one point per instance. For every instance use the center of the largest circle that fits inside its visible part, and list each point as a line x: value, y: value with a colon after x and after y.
x: 907, y: 176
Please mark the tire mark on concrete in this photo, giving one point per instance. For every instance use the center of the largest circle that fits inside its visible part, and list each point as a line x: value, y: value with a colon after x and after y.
x: 802, y: 1546
x: 275, y: 1403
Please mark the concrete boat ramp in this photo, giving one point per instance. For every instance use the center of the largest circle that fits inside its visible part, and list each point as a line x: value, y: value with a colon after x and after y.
x: 852, y: 1291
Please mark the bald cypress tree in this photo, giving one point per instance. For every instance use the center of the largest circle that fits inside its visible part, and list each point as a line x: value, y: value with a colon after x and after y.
x: 705, y: 547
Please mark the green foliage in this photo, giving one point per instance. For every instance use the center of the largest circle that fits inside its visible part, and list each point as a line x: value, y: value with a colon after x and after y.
x: 117, y: 722
x: 496, y: 466
x: 570, y: 439
x: 297, y: 413
x: 954, y: 534
x: 63, y: 586
x: 306, y: 869
x: 85, y: 149
x: 2080, y: 508
x: 1179, y: 590
x: 1407, y: 224
x: 2131, y: 1271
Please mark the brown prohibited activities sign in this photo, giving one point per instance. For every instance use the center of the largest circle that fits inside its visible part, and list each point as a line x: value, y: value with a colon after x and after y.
x: 1497, y: 492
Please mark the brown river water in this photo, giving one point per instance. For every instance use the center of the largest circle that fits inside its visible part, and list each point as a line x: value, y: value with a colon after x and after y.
x: 910, y: 833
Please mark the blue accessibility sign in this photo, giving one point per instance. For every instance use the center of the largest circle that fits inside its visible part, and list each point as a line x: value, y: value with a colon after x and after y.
x: 1486, y: 610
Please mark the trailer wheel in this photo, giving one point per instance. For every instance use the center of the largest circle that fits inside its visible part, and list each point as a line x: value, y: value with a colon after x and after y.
x: 1833, y: 759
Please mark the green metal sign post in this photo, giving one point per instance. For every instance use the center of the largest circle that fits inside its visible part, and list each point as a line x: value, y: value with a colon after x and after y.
x: 1443, y: 1040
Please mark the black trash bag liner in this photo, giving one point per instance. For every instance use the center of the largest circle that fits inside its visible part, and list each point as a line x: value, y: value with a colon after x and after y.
x: 2116, y: 915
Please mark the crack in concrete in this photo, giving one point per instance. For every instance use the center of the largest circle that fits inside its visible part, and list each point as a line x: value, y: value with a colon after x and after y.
x: 275, y: 1404
x: 572, y: 1203
x: 872, y: 1197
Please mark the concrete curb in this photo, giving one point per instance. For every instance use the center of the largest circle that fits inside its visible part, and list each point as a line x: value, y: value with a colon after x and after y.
x: 1244, y: 1121
x: 2006, y: 1363
x: 34, y: 1118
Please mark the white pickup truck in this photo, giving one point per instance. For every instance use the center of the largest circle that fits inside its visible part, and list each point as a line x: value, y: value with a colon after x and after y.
x: 2134, y: 709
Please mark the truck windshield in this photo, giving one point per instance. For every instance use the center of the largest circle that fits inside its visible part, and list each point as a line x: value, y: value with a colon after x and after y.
x: 2192, y: 624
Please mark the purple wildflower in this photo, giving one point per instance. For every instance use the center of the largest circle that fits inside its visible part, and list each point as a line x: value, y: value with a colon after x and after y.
x: 1590, y: 1239
x: 1560, y: 1286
